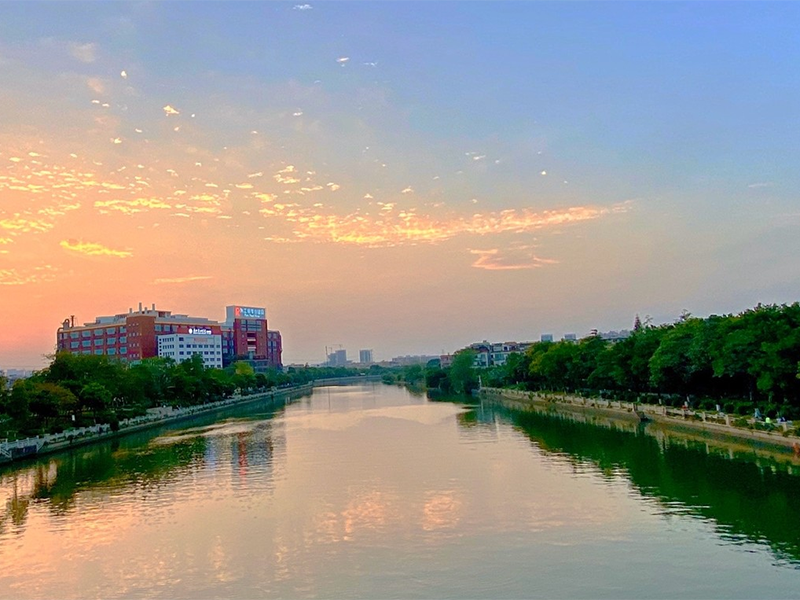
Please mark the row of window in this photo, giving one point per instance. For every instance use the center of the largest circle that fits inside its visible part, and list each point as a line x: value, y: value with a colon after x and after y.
x: 101, y: 351
x: 96, y: 332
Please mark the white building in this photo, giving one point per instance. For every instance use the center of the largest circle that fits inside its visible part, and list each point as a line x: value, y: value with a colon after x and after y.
x: 365, y: 357
x: 199, y: 340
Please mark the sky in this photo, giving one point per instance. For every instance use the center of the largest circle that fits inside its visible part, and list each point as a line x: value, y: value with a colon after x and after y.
x: 409, y: 177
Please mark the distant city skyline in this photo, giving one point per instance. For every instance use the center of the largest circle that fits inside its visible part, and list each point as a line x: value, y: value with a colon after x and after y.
x: 408, y: 177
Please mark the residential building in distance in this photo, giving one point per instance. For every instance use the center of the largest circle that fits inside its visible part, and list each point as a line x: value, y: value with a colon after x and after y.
x: 570, y: 337
x: 13, y: 375
x: 365, y: 357
x: 148, y: 332
x: 489, y: 354
x: 614, y: 336
x: 547, y: 337
x: 409, y: 359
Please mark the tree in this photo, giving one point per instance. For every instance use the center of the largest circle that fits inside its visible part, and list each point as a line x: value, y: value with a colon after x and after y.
x: 463, y: 378
x: 95, y: 397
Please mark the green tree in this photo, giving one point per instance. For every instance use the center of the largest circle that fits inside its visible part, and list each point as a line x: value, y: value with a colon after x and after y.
x: 95, y: 397
x: 463, y: 376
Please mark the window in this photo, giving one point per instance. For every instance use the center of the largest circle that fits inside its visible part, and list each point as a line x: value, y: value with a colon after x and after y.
x: 74, y: 344
x: 180, y: 339
x: 111, y: 330
x: 111, y: 341
x: 99, y: 351
x: 122, y: 329
x: 123, y: 350
x: 158, y: 327
x: 123, y: 340
x: 74, y: 334
x: 97, y: 332
x: 98, y: 341
x: 86, y: 333
x: 86, y: 343
x: 112, y: 350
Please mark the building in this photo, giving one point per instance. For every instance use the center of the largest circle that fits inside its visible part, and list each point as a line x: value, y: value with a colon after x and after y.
x: 337, y: 358
x: 365, y: 357
x: 199, y: 341
x: 547, y: 337
x: 136, y: 335
x: 489, y: 354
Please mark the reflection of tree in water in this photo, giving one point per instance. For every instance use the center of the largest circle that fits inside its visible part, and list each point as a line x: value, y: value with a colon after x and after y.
x: 747, y: 499
x: 128, y: 462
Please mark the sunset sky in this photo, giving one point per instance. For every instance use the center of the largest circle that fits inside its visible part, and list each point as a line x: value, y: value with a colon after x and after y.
x: 409, y: 177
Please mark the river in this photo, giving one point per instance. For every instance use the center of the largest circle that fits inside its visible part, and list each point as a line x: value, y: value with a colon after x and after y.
x: 373, y: 492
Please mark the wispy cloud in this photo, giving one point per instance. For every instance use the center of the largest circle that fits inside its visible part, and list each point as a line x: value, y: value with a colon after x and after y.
x: 93, y: 249
x: 86, y: 53
x: 511, y: 259
x: 35, y: 275
x: 130, y: 207
x: 187, y: 279
x: 761, y: 184
x: 18, y: 224
x: 404, y: 227
x: 302, y: 7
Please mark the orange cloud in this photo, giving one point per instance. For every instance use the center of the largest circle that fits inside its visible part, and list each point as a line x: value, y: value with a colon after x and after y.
x: 35, y: 275
x: 93, y: 249
x: 187, y: 279
x: 512, y: 259
x: 409, y: 227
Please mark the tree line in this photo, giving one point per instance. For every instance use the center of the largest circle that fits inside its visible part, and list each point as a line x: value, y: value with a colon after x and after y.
x: 77, y: 390
x: 739, y: 362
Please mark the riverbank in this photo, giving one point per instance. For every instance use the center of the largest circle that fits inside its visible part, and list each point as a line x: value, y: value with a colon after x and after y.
x: 73, y: 438
x: 699, y: 424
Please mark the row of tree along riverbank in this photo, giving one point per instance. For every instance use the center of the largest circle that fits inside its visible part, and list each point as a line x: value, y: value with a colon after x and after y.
x: 79, y: 391
x: 731, y: 364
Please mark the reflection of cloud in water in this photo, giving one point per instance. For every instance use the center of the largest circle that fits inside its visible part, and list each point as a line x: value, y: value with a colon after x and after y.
x: 442, y: 510
x: 425, y: 414
x: 224, y: 428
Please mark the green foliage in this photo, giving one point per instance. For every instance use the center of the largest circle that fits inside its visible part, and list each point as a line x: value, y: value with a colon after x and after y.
x: 463, y: 376
x: 737, y: 361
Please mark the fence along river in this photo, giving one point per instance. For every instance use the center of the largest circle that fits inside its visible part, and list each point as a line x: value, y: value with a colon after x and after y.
x: 370, y: 492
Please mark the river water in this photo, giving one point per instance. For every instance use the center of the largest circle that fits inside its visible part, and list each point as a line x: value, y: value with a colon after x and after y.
x: 372, y: 492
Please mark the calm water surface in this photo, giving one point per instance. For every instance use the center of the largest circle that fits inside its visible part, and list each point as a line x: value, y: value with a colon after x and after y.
x: 371, y: 492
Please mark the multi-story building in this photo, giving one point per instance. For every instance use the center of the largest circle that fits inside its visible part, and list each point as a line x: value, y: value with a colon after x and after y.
x: 365, y: 357
x: 489, y: 354
x: 136, y: 335
x: 200, y: 341
x: 337, y: 358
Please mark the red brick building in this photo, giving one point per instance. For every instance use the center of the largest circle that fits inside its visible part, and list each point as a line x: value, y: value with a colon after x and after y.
x: 133, y: 336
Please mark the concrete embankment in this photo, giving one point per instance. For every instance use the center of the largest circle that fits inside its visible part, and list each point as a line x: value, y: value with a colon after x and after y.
x: 700, y: 424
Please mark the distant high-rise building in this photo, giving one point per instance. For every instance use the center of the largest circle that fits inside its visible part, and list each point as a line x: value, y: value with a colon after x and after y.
x: 547, y: 337
x: 337, y: 358
x: 570, y: 337
x: 365, y: 357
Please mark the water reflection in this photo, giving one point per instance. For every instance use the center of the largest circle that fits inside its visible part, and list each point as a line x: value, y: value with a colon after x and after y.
x: 145, y: 461
x: 373, y: 492
x: 748, y: 497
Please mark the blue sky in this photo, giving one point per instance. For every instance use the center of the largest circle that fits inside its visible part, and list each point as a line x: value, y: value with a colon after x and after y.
x: 568, y: 164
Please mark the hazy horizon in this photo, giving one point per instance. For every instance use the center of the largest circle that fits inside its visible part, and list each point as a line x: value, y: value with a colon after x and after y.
x: 405, y: 177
